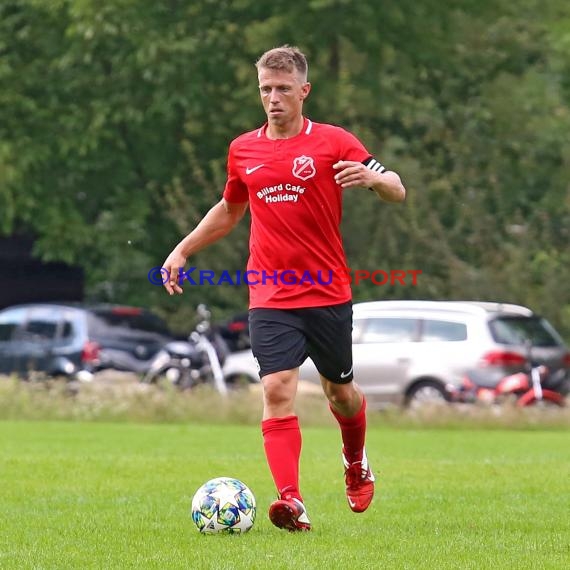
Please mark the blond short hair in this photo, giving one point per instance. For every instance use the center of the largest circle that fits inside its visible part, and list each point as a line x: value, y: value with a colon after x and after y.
x: 285, y: 58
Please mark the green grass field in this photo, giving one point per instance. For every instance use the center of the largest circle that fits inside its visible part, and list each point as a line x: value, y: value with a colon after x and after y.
x: 102, y: 495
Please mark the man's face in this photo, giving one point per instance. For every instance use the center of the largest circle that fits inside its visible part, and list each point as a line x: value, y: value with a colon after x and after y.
x: 282, y: 94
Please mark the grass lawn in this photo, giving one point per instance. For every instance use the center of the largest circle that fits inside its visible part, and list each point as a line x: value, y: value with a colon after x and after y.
x: 102, y: 495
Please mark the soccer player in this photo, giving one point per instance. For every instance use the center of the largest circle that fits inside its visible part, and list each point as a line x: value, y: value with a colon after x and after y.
x: 291, y: 172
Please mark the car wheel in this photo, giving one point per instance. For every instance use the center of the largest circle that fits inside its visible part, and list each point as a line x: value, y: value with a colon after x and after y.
x: 426, y: 392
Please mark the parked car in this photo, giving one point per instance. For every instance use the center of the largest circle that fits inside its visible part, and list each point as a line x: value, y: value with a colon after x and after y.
x: 409, y: 352
x: 235, y: 331
x: 76, y: 340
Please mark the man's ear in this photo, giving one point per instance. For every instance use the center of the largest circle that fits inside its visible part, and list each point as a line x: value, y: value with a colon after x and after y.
x: 305, y: 91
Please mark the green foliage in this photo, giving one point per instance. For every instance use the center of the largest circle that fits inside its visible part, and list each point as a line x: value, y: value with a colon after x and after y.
x: 115, y: 119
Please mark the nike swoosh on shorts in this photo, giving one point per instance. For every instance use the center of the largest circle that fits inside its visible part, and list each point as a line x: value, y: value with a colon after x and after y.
x: 346, y: 374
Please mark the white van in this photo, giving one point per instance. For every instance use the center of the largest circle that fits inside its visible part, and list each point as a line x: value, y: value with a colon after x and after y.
x: 409, y: 352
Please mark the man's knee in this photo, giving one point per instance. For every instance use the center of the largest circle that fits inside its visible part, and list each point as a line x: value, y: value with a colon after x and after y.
x: 280, y: 387
x: 345, y: 397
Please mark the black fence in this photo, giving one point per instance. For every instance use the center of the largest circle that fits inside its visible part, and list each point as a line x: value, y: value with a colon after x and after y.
x: 24, y: 279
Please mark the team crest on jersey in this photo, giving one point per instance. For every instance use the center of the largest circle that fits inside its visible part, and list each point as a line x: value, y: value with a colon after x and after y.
x: 304, y: 167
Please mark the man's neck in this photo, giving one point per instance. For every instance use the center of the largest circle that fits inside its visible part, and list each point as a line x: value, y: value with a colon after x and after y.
x: 286, y: 131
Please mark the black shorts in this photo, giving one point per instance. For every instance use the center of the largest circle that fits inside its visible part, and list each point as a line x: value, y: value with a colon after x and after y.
x: 282, y: 339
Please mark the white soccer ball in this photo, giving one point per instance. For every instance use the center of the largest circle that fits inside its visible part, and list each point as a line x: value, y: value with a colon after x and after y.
x: 223, y: 505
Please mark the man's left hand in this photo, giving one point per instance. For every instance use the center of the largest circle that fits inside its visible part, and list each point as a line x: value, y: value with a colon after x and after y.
x: 353, y: 174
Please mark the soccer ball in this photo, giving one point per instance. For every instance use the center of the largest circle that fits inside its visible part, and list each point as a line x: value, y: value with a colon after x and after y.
x: 224, y: 505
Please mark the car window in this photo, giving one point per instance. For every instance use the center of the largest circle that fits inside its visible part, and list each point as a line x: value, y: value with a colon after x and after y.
x: 389, y: 329
x: 518, y: 330
x: 67, y: 329
x: 139, y: 321
x: 41, y: 329
x: 448, y: 331
x: 10, y: 320
x: 42, y: 324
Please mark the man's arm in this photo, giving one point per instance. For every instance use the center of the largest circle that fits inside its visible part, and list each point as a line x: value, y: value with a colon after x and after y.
x: 386, y: 184
x: 217, y: 223
x: 389, y: 187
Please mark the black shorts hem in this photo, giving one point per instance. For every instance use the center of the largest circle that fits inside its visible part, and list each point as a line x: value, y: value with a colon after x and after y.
x: 346, y: 380
x: 263, y: 373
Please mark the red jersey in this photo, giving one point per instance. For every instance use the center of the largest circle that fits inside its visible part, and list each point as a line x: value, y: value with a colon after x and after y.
x: 296, y: 251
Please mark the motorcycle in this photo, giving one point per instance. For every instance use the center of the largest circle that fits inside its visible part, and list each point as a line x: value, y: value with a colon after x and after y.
x: 537, y: 385
x: 187, y: 364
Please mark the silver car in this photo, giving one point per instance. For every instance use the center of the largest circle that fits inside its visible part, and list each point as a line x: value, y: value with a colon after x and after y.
x: 408, y: 352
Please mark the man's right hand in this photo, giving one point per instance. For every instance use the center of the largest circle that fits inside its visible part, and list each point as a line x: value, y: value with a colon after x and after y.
x: 173, y: 264
x: 218, y: 222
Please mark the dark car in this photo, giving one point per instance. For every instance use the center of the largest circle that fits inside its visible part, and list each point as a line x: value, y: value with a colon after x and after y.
x: 70, y: 339
x: 235, y: 331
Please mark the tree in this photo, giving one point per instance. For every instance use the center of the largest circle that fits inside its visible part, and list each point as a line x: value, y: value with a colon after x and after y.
x: 115, y: 120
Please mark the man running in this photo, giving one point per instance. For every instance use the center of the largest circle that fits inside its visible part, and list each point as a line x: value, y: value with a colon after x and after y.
x: 292, y: 173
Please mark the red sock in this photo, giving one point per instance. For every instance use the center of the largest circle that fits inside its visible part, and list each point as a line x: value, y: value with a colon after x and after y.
x: 353, y: 431
x: 282, y: 442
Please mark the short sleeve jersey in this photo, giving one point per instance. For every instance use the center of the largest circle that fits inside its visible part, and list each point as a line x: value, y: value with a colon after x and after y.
x: 296, y: 249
